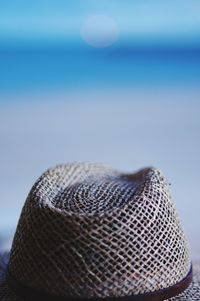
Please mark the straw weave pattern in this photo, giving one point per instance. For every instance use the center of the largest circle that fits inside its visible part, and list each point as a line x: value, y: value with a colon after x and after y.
x: 190, y: 294
x: 89, y: 231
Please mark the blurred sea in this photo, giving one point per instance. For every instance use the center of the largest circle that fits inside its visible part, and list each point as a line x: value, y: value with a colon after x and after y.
x: 59, y: 68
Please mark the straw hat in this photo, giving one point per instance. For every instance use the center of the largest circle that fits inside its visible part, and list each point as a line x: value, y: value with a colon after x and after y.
x: 87, y: 231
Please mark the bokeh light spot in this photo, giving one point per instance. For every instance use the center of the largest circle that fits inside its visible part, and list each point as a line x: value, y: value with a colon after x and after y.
x: 100, y: 31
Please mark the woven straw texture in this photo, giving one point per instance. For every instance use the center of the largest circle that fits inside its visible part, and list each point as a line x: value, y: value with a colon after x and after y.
x: 89, y: 231
x: 190, y: 294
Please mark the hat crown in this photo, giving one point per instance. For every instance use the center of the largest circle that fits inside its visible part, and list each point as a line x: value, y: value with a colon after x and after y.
x: 89, y: 231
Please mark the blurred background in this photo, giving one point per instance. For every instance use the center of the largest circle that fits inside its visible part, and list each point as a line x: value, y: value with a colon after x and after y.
x: 114, y: 82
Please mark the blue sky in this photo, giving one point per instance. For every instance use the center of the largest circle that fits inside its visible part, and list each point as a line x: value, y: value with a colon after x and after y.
x: 172, y: 20
x: 57, y: 23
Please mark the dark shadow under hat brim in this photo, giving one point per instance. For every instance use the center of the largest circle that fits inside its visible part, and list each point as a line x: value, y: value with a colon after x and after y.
x: 192, y: 293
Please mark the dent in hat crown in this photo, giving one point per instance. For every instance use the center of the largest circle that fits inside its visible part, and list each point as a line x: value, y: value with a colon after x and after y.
x: 87, y: 231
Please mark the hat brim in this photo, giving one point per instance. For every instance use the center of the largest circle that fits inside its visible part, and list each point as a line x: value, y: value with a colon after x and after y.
x: 192, y: 293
